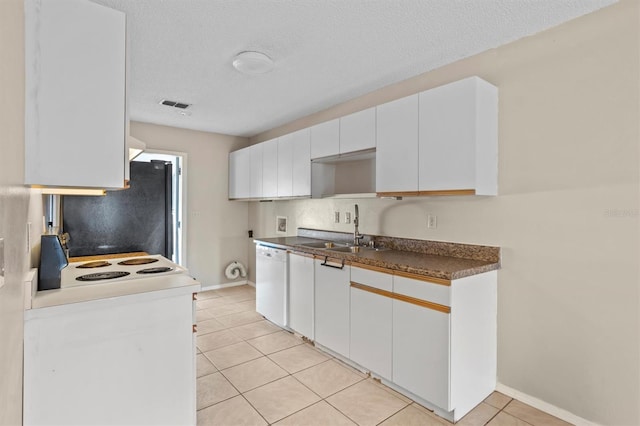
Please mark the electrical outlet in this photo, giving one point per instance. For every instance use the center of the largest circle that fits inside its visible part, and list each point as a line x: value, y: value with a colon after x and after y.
x: 336, y: 217
x: 347, y: 217
x: 432, y: 221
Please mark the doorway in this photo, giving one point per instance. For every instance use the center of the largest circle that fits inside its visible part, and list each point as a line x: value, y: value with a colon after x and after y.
x: 178, y: 161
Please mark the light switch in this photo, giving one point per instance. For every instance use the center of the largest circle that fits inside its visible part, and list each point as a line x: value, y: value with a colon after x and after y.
x: 432, y: 221
x: 347, y: 217
x: 336, y: 217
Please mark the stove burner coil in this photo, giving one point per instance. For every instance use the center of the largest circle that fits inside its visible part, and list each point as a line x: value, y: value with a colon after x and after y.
x: 155, y: 270
x: 102, y: 276
x: 95, y: 264
x: 138, y: 261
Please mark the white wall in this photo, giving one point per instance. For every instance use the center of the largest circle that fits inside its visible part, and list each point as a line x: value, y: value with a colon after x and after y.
x: 216, y: 228
x: 18, y: 206
x: 566, y: 217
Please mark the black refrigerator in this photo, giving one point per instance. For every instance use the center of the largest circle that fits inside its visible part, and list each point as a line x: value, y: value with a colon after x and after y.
x: 135, y: 219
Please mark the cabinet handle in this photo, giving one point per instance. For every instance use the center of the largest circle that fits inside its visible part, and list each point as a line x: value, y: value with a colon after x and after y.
x: 326, y: 259
x: 194, y: 328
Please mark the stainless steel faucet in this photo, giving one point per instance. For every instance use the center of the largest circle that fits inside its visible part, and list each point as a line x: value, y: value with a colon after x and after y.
x: 356, y: 234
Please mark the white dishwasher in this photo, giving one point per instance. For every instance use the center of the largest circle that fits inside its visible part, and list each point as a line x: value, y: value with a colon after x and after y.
x: 271, y: 284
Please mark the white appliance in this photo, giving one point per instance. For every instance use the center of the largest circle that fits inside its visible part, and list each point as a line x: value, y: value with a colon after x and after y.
x: 271, y: 284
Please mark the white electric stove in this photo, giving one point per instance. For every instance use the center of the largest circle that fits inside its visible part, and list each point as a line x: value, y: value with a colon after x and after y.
x: 115, y: 270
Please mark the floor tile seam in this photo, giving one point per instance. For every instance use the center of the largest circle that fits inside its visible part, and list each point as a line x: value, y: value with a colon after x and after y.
x: 234, y: 365
x: 238, y: 325
x: 218, y: 402
x: 257, y: 387
x: 343, y: 389
x: 254, y: 337
x: 255, y: 409
x: 387, y: 418
x: 509, y: 414
x: 208, y: 374
x: 217, y: 347
x: 498, y: 408
x: 267, y: 354
x: 338, y: 409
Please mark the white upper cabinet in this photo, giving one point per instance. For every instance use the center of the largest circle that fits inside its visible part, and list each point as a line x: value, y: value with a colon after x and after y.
x: 301, y: 167
x: 240, y: 173
x: 255, y: 170
x: 358, y: 131
x: 458, y: 137
x: 397, y: 150
x: 325, y: 139
x: 75, y: 112
x: 285, y: 166
x: 270, y: 168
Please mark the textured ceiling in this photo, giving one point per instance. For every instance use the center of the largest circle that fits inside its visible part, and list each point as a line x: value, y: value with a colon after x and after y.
x: 325, y: 51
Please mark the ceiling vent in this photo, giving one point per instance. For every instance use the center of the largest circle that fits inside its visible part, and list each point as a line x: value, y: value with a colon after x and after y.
x: 174, y: 104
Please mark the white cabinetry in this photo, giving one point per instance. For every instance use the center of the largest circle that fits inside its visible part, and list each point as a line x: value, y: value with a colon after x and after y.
x: 371, y: 320
x: 301, y: 167
x: 444, y: 341
x: 397, y: 151
x: 325, y: 139
x: 240, y: 173
x: 421, y: 352
x: 332, y: 306
x: 270, y: 168
x: 119, y: 360
x: 358, y: 131
x: 75, y: 81
x: 285, y: 166
x: 255, y: 171
x: 301, y: 294
x: 458, y: 137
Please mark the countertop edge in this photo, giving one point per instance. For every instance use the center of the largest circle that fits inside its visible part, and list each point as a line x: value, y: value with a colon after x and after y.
x: 354, y: 258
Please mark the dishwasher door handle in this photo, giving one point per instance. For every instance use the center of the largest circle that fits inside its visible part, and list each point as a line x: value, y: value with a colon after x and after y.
x: 326, y: 259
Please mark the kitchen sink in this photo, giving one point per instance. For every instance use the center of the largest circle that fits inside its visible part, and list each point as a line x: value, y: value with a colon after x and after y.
x: 356, y: 249
x: 324, y: 244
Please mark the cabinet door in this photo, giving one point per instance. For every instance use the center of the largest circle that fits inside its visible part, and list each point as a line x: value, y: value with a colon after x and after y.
x: 397, y: 150
x: 301, y: 174
x: 301, y: 294
x: 285, y: 166
x: 270, y: 168
x: 371, y: 328
x: 325, y: 139
x: 332, y: 307
x: 255, y: 186
x: 421, y: 361
x: 239, y: 174
x: 75, y: 80
x: 358, y: 131
x: 458, y: 137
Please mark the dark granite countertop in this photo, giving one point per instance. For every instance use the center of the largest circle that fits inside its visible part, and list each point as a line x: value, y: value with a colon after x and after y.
x: 449, y: 263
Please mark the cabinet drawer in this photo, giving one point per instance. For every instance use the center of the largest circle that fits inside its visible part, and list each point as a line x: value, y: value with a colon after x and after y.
x: 424, y: 290
x: 372, y: 278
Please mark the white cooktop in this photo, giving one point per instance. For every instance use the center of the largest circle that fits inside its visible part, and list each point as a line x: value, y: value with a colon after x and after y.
x: 74, y: 270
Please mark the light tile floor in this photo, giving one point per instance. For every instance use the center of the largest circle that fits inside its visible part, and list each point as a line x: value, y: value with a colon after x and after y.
x: 251, y: 372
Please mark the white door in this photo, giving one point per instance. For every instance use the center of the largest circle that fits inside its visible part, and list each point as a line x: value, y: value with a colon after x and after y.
x: 301, y: 294
x: 332, y: 306
x: 271, y: 284
x: 270, y: 168
x: 397, y: 149
x: 371, y: 328
x: 239, y: 174
x: 255, y: 171
x: 301, y: 173
x: 421, y: 355
x: 358, y: 131
x: 75, y: 112
x: 325, y: 139
x: 285, y: 166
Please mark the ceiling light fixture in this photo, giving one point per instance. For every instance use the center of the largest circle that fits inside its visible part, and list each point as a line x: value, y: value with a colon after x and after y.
x: 252, y: 63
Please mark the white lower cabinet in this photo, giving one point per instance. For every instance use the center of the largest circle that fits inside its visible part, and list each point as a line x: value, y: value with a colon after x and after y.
x: 119, y: 360
x: 332, y: 305
x: 421, y: 352
x: 371, y: 320
x: 301, y: 294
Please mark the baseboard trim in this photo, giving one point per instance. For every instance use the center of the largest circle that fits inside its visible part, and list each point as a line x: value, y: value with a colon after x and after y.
x: 224, y: 285
x: 544, y: 406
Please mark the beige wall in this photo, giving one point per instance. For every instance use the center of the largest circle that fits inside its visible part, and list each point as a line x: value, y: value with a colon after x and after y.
x: 216, y: 228
x: 566, y: 216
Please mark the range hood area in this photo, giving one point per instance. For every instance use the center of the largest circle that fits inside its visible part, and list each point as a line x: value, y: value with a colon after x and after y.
x: 344, y: 176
